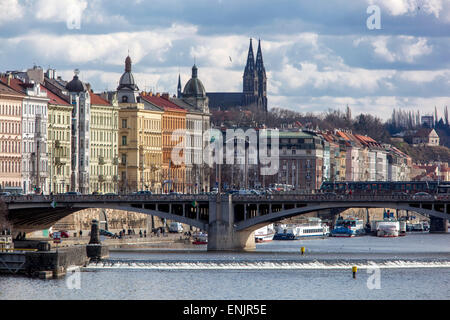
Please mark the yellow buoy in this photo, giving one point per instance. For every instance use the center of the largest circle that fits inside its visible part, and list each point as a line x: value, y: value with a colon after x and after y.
x: 354, y: 270
x: 302, y: 250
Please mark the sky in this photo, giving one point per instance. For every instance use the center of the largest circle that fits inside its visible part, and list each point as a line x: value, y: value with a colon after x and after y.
x: 319, y: 55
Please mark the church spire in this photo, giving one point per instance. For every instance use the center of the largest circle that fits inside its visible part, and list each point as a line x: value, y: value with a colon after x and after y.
x: 179, y: 87
x: 128, y: 64
x: 250, y: 66
x: 259, y: 59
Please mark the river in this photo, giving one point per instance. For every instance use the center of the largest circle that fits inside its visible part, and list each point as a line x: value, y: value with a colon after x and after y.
x: 416, y: 266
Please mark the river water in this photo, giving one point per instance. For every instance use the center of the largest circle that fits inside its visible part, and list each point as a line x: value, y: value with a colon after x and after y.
x: 416, y: 266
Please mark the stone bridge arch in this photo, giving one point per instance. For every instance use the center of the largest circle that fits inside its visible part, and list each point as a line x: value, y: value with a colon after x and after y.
x: 259, y: 221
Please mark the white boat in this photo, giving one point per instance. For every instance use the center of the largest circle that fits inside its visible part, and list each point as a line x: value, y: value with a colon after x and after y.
x: 313, y: 227
x: 265, y: 233
x: 386, y: 228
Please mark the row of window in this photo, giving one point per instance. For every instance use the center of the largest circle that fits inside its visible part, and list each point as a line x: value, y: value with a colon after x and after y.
x: 306, y: 231
x: 10, y: 127
x: 10, y: 166
x: 34, y: 109
x: 10, y: 110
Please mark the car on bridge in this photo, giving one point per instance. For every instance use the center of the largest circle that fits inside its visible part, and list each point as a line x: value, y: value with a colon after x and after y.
x: 143, y: 192
x: 72, y: 193
x: 422, y: 195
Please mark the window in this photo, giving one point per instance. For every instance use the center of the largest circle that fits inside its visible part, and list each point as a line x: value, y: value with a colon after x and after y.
x: 124, y: 140
x: 124, y: 159
x: 125, y: 99
x: 124, y: 123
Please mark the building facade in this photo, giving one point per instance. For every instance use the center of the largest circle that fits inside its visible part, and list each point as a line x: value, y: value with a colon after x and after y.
x: 59, y: 143
x: 104, y: 148
x: 140, y: 138
x: 173, y: 130
x: 80, y: 99
x: 196, y: 103
x: 10, y: 137
x: 301, y: 160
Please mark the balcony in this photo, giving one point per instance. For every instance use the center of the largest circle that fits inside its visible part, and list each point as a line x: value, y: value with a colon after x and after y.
x: 59, y: 161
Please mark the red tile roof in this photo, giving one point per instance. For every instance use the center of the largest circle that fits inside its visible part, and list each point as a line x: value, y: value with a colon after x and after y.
x: 4, y: 89
x: 161, y: 102
x: 97, y: 100
x: 54, y: 99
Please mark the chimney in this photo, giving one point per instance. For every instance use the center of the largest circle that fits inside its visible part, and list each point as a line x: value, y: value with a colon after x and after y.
x: 165, y: 96
x: 157, y: 94
x: 150, y: 94
x: 9, y: 79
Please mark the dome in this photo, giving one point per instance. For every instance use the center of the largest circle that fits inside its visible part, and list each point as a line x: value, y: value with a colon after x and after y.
x: 76, y: 85
x: 194, y: 87
x: 127, y: 79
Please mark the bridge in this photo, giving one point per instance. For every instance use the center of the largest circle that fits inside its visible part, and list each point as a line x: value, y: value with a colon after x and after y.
x: 229, y: 220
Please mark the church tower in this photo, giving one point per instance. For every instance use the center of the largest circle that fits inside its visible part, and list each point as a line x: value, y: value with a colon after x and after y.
x: 179, y: 94
x: 250, y: 83
x: 127, y: 91
x: 262, y: 80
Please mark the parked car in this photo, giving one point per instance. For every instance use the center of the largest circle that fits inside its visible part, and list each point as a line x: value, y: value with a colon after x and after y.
x: 63, y: 233
x: 73, y: 193
x: 5, y: 193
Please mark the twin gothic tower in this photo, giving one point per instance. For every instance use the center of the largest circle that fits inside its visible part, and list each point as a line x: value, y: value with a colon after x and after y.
x: 255, y: 80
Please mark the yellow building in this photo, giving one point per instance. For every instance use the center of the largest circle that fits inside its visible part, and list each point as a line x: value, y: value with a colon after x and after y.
x: 140, y: 147
x: 173, y: 124
x: 104, y: 161
x: 59, y: 143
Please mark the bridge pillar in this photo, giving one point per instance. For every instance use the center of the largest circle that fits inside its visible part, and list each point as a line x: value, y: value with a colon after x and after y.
x: 222, y: 235
x: 438, y: 225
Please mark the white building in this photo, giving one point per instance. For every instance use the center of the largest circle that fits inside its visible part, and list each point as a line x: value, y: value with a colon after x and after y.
x: 34, y: 138
x: 81, y: 102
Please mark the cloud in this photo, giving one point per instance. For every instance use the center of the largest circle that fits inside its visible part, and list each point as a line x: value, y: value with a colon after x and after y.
x: 397, y: 48
x: 10, y: 11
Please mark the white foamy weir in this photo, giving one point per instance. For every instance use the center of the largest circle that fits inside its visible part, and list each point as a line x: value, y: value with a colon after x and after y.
x: 266, y: 265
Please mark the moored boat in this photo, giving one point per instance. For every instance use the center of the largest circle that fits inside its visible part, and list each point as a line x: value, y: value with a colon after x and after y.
x: 312, y: 227
x: 349, y: 227
x: 387, y: 228
x: 265, y: 233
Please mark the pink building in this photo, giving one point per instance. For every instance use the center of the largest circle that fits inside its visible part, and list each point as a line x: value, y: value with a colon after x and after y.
x: 10, y: 137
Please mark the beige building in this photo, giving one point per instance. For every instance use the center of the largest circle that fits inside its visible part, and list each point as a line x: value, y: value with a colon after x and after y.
x: 104, y: 161
x: 140, y: 147
x: 425, y: 137
x: 59, y: 143
x: 10, y: 137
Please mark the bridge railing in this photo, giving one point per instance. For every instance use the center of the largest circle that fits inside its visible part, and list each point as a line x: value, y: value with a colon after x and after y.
x: 103, y: 198
x: 317, y: 197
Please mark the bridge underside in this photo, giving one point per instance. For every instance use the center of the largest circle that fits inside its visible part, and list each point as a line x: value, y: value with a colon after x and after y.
x: 253, y: 217
x: 34, y: 219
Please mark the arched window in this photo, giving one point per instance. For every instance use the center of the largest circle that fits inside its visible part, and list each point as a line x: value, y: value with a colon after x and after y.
x: 124, y: 99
